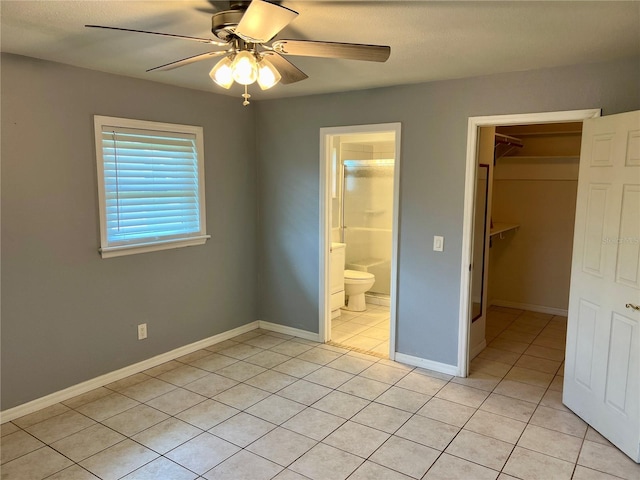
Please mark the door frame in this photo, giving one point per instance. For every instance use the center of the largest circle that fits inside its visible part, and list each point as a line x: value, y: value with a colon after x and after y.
x: 464, y: 324
x: 324, y: 300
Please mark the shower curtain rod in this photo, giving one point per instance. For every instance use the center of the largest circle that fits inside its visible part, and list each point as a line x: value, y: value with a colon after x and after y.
x: 381, y: 162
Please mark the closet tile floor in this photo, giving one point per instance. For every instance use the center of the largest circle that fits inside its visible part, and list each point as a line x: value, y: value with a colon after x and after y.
x: 270, y: 406
x: 366, y: 331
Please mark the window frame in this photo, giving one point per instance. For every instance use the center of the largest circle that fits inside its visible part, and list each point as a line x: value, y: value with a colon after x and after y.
x: 116, y: 249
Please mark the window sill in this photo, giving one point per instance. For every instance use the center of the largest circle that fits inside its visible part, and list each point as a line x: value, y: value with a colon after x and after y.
x: 121, y: 250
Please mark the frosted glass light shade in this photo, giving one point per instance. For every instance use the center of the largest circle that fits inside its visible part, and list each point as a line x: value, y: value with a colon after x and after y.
x: 222, y: 73
x: 245, y: 68
x: 268, y: 75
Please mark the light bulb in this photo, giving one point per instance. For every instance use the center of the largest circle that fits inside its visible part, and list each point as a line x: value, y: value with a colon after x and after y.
x: 268, y: 75
x: 245, y: 68
x: 222, y: 73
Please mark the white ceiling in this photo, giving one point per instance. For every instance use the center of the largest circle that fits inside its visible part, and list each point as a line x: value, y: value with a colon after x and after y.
x: 429, y: 40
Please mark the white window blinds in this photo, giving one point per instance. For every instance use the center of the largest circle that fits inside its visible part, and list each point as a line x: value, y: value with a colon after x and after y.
x: 152, y: 190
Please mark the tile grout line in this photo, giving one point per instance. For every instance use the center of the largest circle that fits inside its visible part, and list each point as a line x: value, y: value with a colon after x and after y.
x: 242, y: 411
x: 538, y: 404
x: 305, y: 406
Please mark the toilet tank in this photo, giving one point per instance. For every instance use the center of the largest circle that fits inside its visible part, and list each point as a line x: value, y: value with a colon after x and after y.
x: 336, y: 266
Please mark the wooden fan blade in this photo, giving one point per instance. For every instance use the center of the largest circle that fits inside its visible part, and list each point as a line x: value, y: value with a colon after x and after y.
x: 263, y: 20
x: 350, y: 51
x: 188, y: 60
x: 171, y: 35
x: 289, y: 72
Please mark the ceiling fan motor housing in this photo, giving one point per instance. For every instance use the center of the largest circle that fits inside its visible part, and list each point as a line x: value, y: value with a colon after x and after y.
x: 223, y: 24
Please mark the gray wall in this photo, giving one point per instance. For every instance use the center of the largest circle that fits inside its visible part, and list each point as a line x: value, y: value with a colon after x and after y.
x: 434, y: 120
x: 68, y: 315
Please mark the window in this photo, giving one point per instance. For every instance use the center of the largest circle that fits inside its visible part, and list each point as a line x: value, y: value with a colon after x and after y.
x: 150, y: 185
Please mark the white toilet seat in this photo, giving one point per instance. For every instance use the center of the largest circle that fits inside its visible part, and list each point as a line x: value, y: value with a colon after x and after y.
x: 355, y: 276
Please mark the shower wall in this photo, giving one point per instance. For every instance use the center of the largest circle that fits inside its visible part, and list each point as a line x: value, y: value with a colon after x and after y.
x: 366, y: 203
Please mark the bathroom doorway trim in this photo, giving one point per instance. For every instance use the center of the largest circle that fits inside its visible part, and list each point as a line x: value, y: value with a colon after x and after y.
x: 469, y: 204
x: 326, y: 133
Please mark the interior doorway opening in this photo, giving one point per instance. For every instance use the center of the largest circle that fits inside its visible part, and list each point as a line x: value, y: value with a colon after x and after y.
x: 492, y: 142
x: 599, y: 282
x: 527, y: 179
x: 359, y: 221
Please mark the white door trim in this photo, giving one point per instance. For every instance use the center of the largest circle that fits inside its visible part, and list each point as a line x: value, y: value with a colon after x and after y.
x: 469, y: 196
x: 325, y: 227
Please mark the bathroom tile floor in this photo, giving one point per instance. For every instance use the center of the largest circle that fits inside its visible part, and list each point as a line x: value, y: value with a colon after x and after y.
x: 366, y: 331
x: 270, y: 406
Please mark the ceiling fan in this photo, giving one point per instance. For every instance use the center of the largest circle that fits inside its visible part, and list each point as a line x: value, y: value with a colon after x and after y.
x: 247, y: 29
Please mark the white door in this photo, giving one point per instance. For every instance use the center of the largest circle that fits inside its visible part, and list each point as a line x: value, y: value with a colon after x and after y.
x: 602, y: 370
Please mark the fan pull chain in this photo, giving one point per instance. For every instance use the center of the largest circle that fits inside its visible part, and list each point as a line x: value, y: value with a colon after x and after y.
x: 246, y: 96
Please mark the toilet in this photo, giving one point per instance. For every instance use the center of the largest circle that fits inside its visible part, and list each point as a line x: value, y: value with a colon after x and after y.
x: 356, y: 283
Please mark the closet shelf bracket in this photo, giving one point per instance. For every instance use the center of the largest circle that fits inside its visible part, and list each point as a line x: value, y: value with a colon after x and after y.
x: 501, y: 228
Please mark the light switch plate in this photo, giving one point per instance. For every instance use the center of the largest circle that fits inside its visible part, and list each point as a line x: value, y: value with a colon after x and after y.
x: 438, y: 243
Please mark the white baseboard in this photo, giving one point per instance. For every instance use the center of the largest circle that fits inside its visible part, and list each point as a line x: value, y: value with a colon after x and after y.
x: 477, y: 349
x: 428, y: 364
x: 102, y: 380
x: 532, y: 308
x: 296, y: 332
x: 375, y: 300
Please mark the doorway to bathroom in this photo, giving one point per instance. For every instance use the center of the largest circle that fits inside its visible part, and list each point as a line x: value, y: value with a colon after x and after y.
x: 359, y: 180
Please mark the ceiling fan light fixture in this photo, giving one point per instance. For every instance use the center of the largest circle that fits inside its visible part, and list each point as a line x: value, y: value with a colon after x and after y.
x: 222, y: 73
x: 268, y: 75
x: 245, y: 29
x: 245, y: 68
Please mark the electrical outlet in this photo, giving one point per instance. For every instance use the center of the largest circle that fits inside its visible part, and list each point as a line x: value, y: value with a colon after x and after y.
x: 142, y: 331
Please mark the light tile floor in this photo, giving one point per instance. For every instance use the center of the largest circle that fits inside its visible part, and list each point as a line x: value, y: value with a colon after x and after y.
x: 265, y: 405
x: 366, y: 331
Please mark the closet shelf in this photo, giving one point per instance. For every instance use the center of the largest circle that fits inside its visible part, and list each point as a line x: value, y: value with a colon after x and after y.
x: 549, y: 133
x: 541, y: 157
x: 500, y: 228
